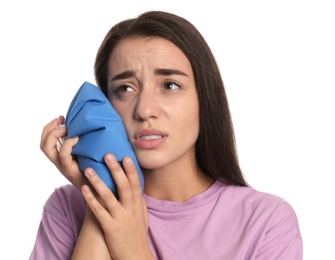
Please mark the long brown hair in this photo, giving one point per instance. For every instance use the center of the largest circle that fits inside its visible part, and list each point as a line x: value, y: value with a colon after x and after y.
x: 215, y: 148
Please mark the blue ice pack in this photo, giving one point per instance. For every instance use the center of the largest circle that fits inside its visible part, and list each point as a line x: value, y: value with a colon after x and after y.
x: 100, y: 130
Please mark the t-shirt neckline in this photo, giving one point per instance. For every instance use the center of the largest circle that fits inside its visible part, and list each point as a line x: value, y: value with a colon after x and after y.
x: 196, y: 201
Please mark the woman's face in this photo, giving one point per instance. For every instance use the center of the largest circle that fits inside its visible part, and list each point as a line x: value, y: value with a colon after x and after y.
x: 151, y: 85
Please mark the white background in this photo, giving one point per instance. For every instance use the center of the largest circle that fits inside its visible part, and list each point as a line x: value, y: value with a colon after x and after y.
x: 278, y: 64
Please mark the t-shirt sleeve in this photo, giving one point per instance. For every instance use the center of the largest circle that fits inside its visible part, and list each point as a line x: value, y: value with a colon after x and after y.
x: 62, y: 217
x: 283, y: 239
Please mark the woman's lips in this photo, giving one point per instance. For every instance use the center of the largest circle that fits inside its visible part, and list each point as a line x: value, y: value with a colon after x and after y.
x: 149, y: 138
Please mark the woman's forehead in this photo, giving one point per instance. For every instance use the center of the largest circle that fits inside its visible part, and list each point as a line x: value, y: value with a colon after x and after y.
x: 152, y: 53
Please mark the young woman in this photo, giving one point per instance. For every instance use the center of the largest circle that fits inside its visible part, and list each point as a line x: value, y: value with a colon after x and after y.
x: 161, y: 77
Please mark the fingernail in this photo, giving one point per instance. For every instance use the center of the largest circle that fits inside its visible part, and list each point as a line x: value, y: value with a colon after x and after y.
x: 85, y: 189
x: 110, y: 158
x: 89, y: 172
x: 127, y: 161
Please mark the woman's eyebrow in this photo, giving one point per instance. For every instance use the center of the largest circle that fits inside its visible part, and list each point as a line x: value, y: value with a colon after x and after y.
x: 123, y: 75
x: 167, y: 72
x: 129, y: 73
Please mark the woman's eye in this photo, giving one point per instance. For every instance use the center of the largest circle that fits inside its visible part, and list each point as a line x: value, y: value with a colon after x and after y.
x: 171, y: 86
x: 124, y: 88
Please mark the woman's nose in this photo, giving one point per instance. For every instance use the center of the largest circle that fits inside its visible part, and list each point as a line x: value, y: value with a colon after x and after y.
x: 147, y: 105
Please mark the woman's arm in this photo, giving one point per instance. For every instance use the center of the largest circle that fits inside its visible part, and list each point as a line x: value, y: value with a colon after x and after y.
x: 91, y: 243
x: 118, y: 226
x: 124, y: 220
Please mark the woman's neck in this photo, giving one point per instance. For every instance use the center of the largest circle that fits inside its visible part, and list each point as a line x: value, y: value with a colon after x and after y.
x: 176, y: 183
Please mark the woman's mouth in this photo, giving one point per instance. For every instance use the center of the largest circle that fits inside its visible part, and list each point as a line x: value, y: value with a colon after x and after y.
x: 149, y: 138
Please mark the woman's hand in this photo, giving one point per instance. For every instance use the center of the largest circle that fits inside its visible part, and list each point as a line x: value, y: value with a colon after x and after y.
x: 124, y: 221
x: 63, y: 159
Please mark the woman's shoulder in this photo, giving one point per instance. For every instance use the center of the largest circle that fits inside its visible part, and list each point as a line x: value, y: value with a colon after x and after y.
x: 250, y: 199
x: 249, y: 194
x: 65, y: 192
x: 65, y: 201
x: 270, y: 221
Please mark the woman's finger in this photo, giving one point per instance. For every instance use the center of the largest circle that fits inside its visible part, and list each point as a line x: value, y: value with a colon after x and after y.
x: 54, y: 124
x: 51, y: 133
x: 120, y: 179
x: 108, y: 198
x: 133, y: 179
x: 48, y: 128
x: 96, y: 207
x: 70, y: 167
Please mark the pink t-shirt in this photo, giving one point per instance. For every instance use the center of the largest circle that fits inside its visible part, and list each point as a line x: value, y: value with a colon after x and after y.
x: 223, y: 222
